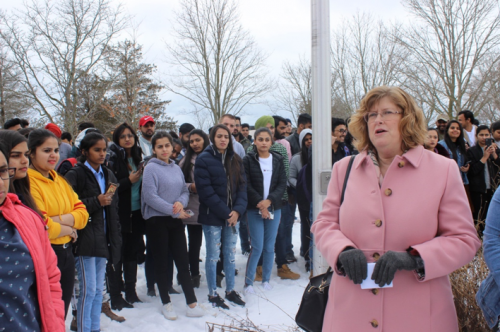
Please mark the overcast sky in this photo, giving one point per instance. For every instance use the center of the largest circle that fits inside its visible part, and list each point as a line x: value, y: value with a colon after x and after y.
x: 281, y: 28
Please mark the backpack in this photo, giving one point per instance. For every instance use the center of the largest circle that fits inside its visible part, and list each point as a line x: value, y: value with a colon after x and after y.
x: 66, y: 165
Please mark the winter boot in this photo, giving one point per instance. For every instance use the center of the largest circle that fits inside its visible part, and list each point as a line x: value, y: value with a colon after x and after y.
x: 284, y: 272
x: 130, y: 274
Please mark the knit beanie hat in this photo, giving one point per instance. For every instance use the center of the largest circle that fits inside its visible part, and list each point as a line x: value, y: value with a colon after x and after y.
x: 263, y: 121
x: 54, y: 129
x: 303, y: 134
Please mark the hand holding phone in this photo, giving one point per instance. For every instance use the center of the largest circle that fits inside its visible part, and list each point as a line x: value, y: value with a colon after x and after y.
x: 191, y: 213
x: 112, y: 188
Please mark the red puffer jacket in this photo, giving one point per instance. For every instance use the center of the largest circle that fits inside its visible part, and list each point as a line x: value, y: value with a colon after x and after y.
x: 31, y: 228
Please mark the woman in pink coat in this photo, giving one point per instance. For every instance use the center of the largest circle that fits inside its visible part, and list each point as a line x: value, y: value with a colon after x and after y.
x: 406, y: 210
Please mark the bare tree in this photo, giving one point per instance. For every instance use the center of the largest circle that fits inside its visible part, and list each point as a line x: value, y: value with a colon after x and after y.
x: 294, y: 92
x: 134, y: 93
x: 219, y: 68
x: 453, y: 49
x: 364, y: 56
x: 13, y: 101
x: 55, y: 43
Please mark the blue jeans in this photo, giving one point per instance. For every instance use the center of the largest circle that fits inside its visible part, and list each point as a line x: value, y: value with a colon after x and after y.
x: 263, y: 237
x: 245, y: 244
x: 213, y: 237
x: 90, y: 271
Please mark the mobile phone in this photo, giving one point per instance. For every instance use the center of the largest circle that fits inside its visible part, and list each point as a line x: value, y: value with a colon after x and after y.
x: 141, y: 166
x: 191, y: 213
x: 112, y: 188
x: 467, y: 163
x: 489, y: 141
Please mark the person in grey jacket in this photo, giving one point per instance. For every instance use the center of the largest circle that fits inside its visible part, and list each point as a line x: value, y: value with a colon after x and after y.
x: 163, y: 200
x: 296, y: 162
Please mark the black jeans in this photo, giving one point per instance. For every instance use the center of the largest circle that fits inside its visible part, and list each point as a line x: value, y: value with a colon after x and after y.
x: 66, y: 264
x: 305, y: 232
x: 167, y: 236
x: 480, y: 202
x: 195, y: 233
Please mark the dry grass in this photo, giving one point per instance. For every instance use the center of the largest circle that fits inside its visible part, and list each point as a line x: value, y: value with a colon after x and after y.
x: 465, y: 283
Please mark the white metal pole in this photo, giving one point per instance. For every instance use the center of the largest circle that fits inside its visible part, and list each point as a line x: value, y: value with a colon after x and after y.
x: 321, y: 113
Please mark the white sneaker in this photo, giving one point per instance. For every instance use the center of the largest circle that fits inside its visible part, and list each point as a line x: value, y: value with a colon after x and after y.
x: 169, y: 312
x: 267, y: 286
x: 249, y: 290
x: 197, y: 311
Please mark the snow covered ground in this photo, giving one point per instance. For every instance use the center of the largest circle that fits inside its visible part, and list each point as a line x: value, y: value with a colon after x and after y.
x: 270, y: 310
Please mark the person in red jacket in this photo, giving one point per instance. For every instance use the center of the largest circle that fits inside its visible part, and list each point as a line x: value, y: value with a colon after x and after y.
x: 30, y: 291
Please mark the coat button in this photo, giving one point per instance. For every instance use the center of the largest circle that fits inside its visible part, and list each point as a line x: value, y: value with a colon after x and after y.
x: 376, y: 256
x: 401, y: 164
x: 388, y: 192
x: 378, y: 222
x: 374, y: 323
x: 375, y: 291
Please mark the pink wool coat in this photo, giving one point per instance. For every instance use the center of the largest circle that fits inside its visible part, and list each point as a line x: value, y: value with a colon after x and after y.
x: 421, y: 204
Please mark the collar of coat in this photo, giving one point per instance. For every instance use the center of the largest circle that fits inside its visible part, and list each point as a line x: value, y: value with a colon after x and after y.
x: 413, y: 156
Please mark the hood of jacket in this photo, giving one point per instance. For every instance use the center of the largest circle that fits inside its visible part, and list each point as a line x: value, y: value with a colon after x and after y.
x: 37, y: 175
x: 157, y: 161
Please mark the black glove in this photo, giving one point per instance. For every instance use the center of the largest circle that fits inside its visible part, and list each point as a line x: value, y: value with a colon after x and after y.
x: 389, y: 263
x: 354, y: 264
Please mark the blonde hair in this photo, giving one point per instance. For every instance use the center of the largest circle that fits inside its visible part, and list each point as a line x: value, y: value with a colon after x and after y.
x: 412, y: 126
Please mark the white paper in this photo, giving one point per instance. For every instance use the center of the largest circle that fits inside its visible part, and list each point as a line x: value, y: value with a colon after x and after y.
x: 368, y: 283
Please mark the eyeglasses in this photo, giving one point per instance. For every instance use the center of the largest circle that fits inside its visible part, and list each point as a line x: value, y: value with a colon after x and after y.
x: 126, y: 136
x: 342, y: 131
x: 7, y: 173
x: 370, y: 117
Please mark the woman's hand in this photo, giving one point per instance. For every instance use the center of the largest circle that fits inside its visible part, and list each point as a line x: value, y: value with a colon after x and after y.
x: 465, y: 168
x: 135, y: 176
x: 265, y: 214
x: 184, y: 215
x: 192, y: 188
x: 389, y: 263
x: 74, y: 235
x: 264, y: 204
x: 177, y: 208
x: 105, y: 199
x: 233, y: 218
x: 354, y: 264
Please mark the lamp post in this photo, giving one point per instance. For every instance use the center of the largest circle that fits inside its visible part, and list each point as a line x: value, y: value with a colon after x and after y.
x: 321, y: 113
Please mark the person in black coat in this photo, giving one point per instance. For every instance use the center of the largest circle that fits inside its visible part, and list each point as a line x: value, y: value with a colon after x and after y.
x: 219, y: 177
x: 266, y: 184
x: 127, y: 168
x: 483, y: 173
x: 101, y: 240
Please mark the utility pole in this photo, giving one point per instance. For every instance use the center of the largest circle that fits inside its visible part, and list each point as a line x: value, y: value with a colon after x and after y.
x: 321, y: 113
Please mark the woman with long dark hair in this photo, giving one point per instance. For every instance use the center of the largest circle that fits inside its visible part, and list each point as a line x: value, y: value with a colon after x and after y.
x: 431, y: 143
x: 163, y: 199
x: 62, y: 210
x: 454, y: 143
x: 126, y: 161
x: 219, y: 177
x: 198, y: 141
x: 266, y: 184
x: 30, y: 287
x: 17, y: 148
x: 101, y: 240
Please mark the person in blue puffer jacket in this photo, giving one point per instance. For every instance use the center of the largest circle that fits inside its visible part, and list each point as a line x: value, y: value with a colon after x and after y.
x: 219, y: 177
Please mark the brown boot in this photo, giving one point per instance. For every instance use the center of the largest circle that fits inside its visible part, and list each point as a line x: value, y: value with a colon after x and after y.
x: 284, y: 272
x: 106, y: 309
x: 258, y: 274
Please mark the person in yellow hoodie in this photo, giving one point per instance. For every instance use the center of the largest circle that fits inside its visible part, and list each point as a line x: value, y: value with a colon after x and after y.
x: 63, y: 212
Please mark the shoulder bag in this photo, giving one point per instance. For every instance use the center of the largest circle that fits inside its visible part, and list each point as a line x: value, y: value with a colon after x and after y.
x: 313, y: 305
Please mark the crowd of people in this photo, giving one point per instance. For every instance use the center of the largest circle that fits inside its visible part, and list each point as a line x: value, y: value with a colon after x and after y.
x: 102, y: 205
